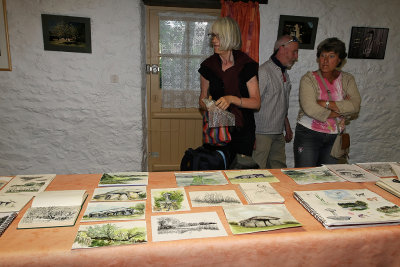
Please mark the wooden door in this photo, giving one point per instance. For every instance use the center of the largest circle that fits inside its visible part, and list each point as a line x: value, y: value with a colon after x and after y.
x: 172, y: 130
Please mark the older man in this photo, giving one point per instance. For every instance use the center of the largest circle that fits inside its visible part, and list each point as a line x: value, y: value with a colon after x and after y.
x: 271, y: 119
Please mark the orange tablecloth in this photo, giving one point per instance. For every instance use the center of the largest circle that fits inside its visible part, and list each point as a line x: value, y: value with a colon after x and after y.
x: 309, y: 245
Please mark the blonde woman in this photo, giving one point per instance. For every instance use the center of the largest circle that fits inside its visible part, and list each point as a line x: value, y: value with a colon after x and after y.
x: 229, y: 76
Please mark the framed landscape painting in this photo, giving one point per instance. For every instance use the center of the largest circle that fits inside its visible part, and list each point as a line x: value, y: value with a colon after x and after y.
x: 5, y: 57
x: 303, y: 28
x: 65, y: 33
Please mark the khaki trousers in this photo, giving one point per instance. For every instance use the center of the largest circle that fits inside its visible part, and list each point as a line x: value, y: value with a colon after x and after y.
x: 269, y: 152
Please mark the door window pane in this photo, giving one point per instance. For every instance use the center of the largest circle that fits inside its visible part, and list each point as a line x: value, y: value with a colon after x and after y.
x: 183, y: 45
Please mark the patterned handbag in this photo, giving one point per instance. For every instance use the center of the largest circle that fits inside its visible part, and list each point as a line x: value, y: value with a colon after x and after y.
x: 215, y: 135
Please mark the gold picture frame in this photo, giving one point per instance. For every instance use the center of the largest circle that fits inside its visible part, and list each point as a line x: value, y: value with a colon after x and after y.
x: 5, y: 56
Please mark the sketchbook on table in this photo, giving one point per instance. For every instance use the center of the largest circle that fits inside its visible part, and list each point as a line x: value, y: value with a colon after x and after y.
x: 124, y: 178
x: 250, y: 176
x: 4, y: 180
x: 313, y: 175
x: 186, y: 226
x: 260, y: 193
x: 119, y: 193
x: 341, y: 208
x: 352, y: 173
x: 28, y: 184
x: 396, y: 169
x: 110, y: 234
x: 109, y: 211
x: 13, y: 202
x: 214, y: 198
x: 259, y: 218
x: 6, y: 218
x: 169, y: 199
x: 380, y: 169
x: 53, y: 209
x: 200, y: 178
x: 391, y: 185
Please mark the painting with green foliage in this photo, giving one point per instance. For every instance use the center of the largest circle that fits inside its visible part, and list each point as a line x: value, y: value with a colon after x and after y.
x: 110, y: 234
x: 312, y: 175
x: 257, y: 218
x: 200, y: 178
x: 250, y: 176
x: 124, y: 178
x: 169, y: 199
x: 120, y: 193
x: 108, y: 211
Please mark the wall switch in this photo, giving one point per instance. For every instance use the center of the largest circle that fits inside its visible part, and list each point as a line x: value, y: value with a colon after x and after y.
x: 114, y: 78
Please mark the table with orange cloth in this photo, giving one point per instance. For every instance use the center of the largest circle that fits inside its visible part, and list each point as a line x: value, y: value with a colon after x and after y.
x: 309, y: 245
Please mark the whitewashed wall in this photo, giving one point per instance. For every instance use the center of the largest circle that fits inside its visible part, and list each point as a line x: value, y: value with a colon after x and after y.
x: 375, y: 134
x: 60, y: 112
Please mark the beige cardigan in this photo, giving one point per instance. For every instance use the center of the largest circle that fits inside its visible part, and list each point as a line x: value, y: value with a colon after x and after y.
x: 309, y: 93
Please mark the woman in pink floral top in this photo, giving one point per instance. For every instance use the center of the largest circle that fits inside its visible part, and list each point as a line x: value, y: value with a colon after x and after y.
x: 321, y: 112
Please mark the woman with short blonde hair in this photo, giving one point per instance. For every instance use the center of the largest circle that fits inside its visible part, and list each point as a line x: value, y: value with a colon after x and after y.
x: 228, y: 33
x: 230, y: 78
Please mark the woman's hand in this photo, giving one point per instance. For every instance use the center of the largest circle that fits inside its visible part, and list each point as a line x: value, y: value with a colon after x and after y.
x: 225, y: 101
x: 332, y: 105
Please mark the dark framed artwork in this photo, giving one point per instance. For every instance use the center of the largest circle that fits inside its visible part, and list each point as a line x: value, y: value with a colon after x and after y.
x: 367, y: 42
x: 65, y: 33
x: 304, y: 28
x: 5, y: 56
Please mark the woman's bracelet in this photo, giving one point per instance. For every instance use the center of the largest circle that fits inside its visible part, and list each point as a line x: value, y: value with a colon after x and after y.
x: 240, y: 105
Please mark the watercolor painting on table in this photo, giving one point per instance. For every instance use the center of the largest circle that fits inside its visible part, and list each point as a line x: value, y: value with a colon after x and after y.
x: 169, y: 199
x: 250, y: 176
x: 380, y: 169
x: 313, y: 175
x: 28, y: 184
x: 258, y: 193
x: 200, y: 178
x: 4, y: 180
x: 124, y: 178
x: 119, y: 193
x: 352, y: 173
x: 110, y: 234
x: 186, y: 226
x: 259, y: 218
x: 108, y: 211
x: 13, y: 202
x: 214, y: 198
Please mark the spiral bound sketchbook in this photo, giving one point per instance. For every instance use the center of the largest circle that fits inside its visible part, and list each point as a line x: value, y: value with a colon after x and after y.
x: 6, y: 219
x: 340, y: 208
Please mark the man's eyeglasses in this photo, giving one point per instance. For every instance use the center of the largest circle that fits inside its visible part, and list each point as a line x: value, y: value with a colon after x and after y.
x: 294, y: 39
x: 212, y: 35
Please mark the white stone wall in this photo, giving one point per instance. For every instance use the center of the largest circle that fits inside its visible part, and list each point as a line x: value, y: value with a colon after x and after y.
x: 61, y: 112
x: 374, y: 135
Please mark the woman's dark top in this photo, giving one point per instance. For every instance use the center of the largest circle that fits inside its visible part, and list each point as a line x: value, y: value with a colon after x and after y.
x: 233, y: 82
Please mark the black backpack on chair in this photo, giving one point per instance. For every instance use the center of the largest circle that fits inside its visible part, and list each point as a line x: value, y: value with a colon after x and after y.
x: 204, y: 158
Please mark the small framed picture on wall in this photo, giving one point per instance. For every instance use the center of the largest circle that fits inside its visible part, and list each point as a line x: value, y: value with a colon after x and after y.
x: 304, y: 28
x: 367, y: 42
x: 66, y: 33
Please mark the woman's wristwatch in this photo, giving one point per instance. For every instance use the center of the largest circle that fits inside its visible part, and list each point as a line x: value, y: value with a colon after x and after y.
x: 327, y: 104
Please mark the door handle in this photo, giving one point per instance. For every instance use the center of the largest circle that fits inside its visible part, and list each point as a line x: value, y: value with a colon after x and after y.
x: 153, y: 69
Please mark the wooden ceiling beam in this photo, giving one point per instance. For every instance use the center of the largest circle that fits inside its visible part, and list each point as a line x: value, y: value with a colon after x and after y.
x: 215, y: 4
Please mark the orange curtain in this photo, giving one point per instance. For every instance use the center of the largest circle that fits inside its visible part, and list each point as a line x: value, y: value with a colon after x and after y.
x: 247, y: 16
